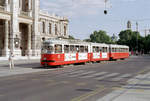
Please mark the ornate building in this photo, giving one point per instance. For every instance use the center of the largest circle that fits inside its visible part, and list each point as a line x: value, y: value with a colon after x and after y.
x: 23, y: 26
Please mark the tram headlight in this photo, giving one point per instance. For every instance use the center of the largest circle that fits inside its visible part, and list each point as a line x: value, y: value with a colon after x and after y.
x: 45, y: 58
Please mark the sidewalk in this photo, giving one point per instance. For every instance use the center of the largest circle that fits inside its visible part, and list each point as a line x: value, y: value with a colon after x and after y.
x: 21, y: 67
x: 138, y: 89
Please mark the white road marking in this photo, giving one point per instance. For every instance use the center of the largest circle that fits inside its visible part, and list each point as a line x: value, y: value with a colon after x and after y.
x: 73, y: 72
x: 121, y: 77
x: 93, y: 75
x: 85, y: 73
x: 106, y: 76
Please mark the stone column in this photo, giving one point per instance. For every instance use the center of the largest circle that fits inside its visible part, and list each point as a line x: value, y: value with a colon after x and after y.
x: 6, y: 5
x: 20, y: 6
x: 35, y: 33
x: 6, y: 51
x: 29, y: 41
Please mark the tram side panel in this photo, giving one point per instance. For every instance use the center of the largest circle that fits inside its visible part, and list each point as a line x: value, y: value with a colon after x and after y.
x: 118, y: 55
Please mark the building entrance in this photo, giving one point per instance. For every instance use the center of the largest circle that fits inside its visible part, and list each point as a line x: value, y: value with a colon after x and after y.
x: 2, y: 34
x: 23, y: 38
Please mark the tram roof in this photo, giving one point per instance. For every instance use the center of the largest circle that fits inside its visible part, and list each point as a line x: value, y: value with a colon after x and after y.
x: 100, y: 44
x: 119, y: 46
x: 66, y: 41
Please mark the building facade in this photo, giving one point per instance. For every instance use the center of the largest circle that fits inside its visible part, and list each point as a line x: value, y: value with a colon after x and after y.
x: 23, y: 27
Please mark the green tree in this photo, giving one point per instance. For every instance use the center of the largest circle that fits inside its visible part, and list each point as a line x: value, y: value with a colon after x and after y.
x: 87, y: 40
x: 100, y: 37
x: 131, y: 39
x: 71, y: 37
x: 147, y: 44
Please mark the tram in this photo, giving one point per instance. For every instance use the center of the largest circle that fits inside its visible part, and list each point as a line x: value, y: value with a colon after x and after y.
x: 100, y: 52
x: 118, y: 52
x: 61, y: 52
x: 57, y: 52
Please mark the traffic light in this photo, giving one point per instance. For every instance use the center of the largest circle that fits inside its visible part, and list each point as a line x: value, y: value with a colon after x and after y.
x: 105, y: 12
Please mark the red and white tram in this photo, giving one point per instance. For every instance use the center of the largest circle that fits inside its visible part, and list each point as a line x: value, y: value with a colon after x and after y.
x: 62, y: 51
x: 99, y: 52
x: 119, y: 52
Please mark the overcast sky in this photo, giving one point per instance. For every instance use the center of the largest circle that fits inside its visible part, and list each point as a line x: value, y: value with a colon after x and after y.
x: 85, y: 16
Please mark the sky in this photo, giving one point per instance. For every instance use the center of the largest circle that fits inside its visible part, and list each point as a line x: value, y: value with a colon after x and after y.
x: 86, y: 16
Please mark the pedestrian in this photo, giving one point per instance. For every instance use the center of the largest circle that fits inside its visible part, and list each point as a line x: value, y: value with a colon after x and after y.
x: 11, y: 61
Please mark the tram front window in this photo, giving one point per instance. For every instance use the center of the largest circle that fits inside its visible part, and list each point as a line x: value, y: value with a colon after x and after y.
x: 50, y: 49
x: 47, y: 49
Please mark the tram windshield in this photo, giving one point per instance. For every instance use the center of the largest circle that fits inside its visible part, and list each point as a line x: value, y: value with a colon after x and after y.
x: 47, y: 48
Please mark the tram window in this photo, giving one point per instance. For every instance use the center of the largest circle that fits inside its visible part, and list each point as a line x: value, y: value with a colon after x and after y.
x: 105, y: 49
x: 58, y: 48
x: 50, y: 49
x: 66, y: 48
x: 77, y: 48
x: 72, y: 49
x: 100, y: 49
x: 117, y: 50
x: 94, y: 49
x: 81, y: 49
x: 97, y: 49
x: 112, y: 49
x: 86, y: 48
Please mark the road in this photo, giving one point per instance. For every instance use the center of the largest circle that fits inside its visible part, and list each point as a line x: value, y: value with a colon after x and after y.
x: 88, y: 82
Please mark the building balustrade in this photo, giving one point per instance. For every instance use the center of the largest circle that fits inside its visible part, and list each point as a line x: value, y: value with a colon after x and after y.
x: 26, y: 13
x: 2, y: 8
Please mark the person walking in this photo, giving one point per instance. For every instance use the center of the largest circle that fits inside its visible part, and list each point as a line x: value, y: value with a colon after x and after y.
x: 11, y: 61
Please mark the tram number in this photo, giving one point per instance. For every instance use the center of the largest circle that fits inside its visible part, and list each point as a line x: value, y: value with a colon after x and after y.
x: 104, y: 55
x: 82, y: 56
x: 96, y: 55
x: 70, y: 57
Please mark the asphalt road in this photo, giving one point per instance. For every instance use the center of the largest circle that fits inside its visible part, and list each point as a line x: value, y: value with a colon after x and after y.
x: 88, y: 82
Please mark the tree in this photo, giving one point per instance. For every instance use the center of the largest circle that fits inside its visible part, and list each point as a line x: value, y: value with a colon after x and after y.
x: 131, y: 39
x: 71, y: 37
x: 87, y: 40
x: 100, y: 37
x: 147, y: 44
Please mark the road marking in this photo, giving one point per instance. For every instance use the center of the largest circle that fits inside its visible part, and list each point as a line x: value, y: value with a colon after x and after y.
x: 85, y: 73
x: 142, y: 71
x: 87, y: 95
x: 81, y: 84
x: 65, y: 82
x: 106, y: 76
x: 34, y: 79
x: 93, y: 75
x: 50, y: 80
x: 52, y: 84
x: 118, y: 88
x: 75, y: 72
x: 121, y: 77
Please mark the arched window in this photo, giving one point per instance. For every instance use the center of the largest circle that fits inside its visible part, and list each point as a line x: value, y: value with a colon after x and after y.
x: 65, y: 30
x: 50, y: 28
x: 43, y: 27
x: 56, y: 29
